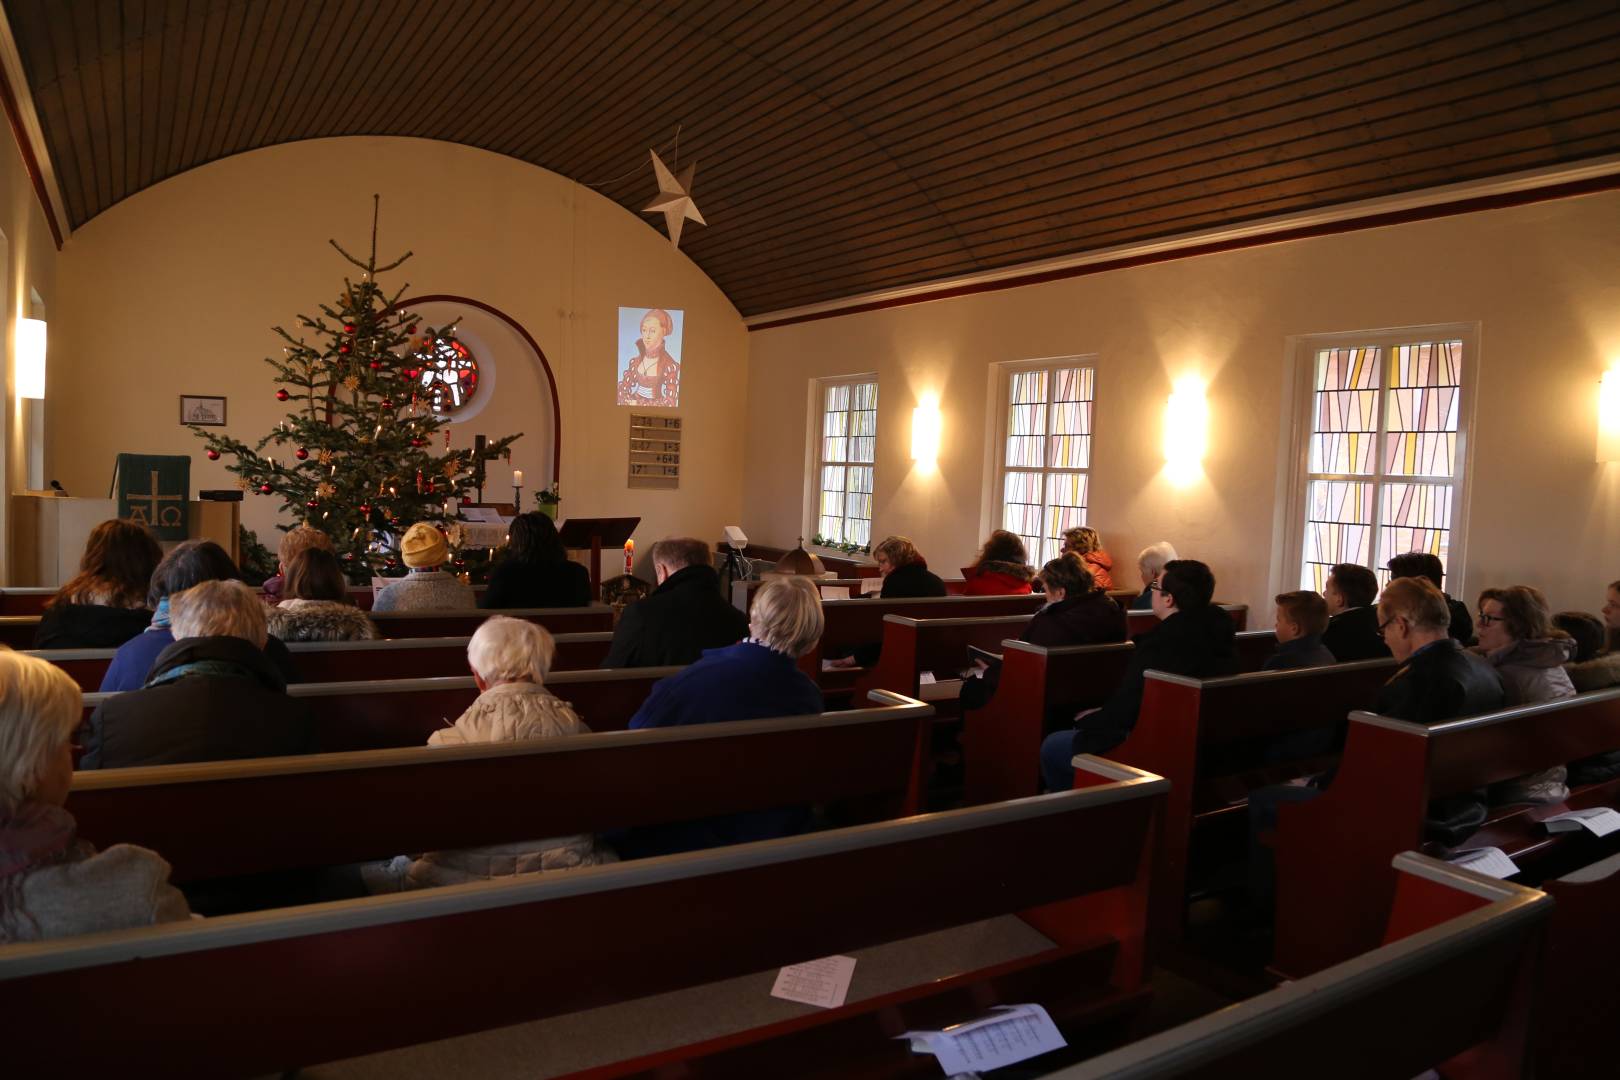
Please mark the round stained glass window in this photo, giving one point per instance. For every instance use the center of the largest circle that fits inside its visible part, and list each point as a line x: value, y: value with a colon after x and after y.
x: 449, y: 376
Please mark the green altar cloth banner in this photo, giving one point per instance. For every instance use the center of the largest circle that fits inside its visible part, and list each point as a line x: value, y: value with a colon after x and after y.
x: 154, y: 490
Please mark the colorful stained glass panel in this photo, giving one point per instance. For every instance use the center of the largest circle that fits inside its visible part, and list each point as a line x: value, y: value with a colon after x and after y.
x: 1338, y: 528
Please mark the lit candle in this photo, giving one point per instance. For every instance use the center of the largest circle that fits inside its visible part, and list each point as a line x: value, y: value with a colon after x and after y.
x: 629, y: 555
x: 517, y: 477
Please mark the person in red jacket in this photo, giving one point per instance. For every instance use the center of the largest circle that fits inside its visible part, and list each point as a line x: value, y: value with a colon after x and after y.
x: 1086, y: 542
x: 1001, y: 568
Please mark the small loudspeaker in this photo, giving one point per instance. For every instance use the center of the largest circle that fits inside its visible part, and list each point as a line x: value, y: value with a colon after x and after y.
x: 221, y: 495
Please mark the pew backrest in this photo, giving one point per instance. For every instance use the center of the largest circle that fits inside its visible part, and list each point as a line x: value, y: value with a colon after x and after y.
x: 593, y: 618
x: 231, y: 977
x: 1456, y: 977
x: 209, y: 819
x: 860, y: 621
x: 404, y: 712
x: 1002, y: 740
x: 350, y: 661
x: 913, y: 646
x: 1333, y: 887
x: 1140, y: 622
x: 26, y: 599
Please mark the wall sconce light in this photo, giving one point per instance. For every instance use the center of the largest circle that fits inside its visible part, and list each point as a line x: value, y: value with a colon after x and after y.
x: 925, y: 433
x: 1186, y: 427
x: 31, y: 358
x: 1608, y: 437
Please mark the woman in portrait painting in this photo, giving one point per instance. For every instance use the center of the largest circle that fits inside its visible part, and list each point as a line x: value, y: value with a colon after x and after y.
x: 652, y: 376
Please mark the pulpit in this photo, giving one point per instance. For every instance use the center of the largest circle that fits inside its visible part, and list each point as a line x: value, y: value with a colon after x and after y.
x: 50, y: 531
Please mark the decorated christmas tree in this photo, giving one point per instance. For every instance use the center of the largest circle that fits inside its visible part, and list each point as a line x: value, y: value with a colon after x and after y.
x: 355, y: 455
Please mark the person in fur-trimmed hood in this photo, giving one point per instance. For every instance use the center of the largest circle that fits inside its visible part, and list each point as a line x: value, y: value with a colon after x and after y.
x: 314, y: 608
x: 1001, y: 568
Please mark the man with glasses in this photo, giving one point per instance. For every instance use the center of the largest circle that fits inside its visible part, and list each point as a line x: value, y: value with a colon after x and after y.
x: 1438, y: 678
x: 1194, y: 637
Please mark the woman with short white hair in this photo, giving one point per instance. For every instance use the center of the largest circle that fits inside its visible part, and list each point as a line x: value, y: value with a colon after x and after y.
x: 756, y: 678
x: 53, y: 884
x: 212, y: 695
x: 510, y: 659
x: 1150, y: 564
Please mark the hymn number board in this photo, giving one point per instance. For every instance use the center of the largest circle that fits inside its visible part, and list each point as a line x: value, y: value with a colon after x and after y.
x: 655, y: 451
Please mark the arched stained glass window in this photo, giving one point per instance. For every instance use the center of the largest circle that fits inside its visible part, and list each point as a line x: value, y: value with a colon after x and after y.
x: 449, y: 376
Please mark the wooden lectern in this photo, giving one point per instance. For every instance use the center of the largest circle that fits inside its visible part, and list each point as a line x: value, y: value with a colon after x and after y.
x: 596, y: 534
x: 51, y: 530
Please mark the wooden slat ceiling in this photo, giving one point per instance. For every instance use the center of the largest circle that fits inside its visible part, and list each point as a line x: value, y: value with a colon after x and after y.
x: 846, y: 146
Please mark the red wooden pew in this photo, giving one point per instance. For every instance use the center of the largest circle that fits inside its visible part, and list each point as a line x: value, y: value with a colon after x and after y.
x: 404, y: 712
x: 209, y: 819
x: 339, y: 967
x: 1579, y: 974
x: 1001, y: 742
x: 1217, y: 739
x: 1333, y: 884
x: 913, y: 646
x: 1450, y: 984
x: 353, y: 661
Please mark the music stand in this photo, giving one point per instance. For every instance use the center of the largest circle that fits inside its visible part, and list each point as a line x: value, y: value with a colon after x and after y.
x: 596, y: 533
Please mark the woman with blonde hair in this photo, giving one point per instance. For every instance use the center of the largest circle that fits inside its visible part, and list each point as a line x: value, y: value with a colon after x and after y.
x: 53, y: 884
x: 1086, y: 542
x: 104, y: 605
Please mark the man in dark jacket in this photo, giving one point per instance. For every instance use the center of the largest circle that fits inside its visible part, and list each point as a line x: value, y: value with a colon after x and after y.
x: 1194, y: 637
x: 1421, y: 564
x: 1352, y: 631
x: 1301, y: 618
x: 684, y: 616
x: 213, y: 695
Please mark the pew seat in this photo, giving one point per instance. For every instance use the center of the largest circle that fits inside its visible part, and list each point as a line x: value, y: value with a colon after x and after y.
x: 272, y: 991
x: 1467, y: 942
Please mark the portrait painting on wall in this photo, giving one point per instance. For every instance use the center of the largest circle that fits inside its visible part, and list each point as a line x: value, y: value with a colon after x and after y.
x: 649, y: 359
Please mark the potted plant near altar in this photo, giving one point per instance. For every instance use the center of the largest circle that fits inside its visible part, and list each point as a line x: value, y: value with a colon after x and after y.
x: 546, y: 500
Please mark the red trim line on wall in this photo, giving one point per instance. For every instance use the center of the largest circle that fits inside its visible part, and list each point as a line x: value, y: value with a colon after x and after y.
x: 30, y: 161
x: 556, y: 404
x: 1502, y: 201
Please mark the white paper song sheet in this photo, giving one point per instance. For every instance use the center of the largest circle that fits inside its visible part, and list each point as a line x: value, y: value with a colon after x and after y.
x: 1599, y: 819
x: 1490, y: 861
x: 835, y: 592
x: 1010, y: 1034
x: 821, y: 982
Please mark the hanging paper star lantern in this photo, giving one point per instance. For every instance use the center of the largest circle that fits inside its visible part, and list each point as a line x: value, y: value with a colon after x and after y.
x: 674, y: 199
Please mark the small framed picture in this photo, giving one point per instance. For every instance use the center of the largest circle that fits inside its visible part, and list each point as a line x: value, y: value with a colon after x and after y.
x: 198, y: 409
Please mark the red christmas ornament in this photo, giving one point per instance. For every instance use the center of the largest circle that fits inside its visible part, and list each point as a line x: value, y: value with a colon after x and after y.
x: 416, y: 442
x: 344, y: 348
x: 313, y: 505
x: 348, y: 328
x: 265, y: 488
x: 282, y: 395
x: 213, y: 455
x: 412, y: 373
x: 411, y: 329
x: 388, y: 403
x: 365, y: 508
x: 376, y: 365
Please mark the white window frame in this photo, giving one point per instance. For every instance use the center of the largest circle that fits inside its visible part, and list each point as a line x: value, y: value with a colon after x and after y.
x: 998, y: 459
x: 1302, y: 351
x: 818, y: 440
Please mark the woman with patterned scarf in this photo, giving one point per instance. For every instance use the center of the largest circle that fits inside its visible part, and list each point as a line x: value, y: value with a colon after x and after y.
x: 52, y: 884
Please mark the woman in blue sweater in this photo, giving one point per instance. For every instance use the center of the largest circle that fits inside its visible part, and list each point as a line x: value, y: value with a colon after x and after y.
x: 755, y: 679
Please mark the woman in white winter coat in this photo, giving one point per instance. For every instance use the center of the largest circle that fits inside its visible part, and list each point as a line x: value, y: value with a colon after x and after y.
x: 509, y: 659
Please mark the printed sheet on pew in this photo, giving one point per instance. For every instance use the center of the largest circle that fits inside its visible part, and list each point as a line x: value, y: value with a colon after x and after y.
x: 1599, y: 820
x: 1010, y: 1034
x: 823, y: 982
x: 1490, y: 861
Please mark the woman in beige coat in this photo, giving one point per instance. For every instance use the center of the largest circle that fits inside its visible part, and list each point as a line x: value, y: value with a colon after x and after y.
x: 52, y: 884
x: 509, y: 659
